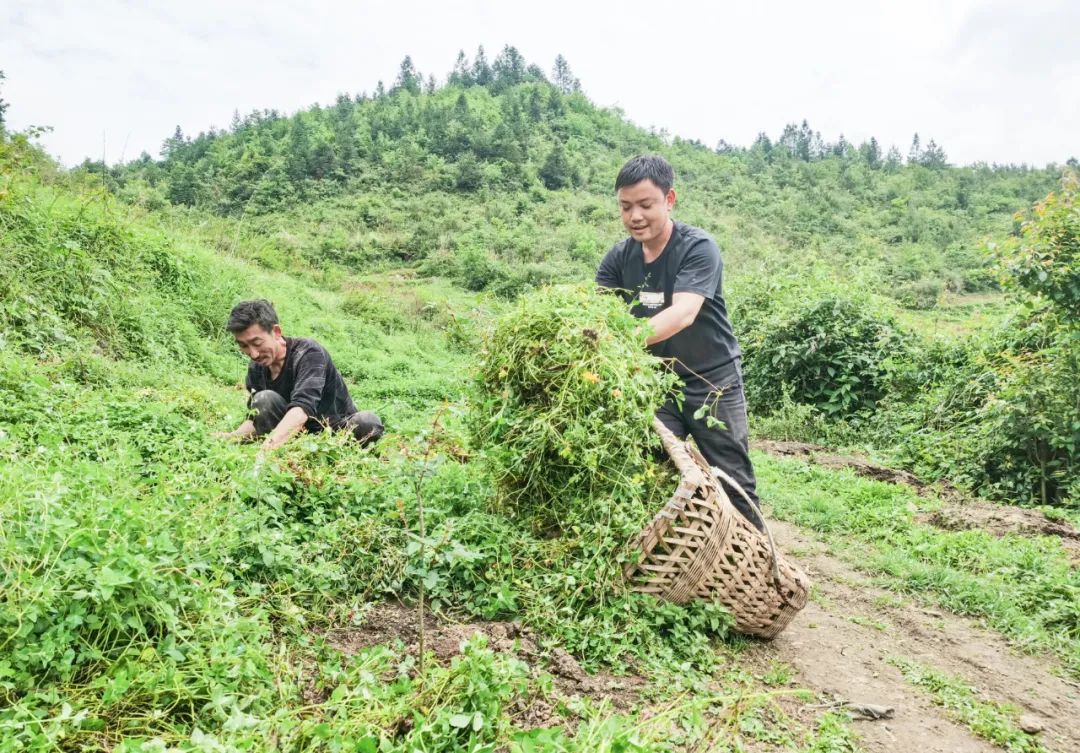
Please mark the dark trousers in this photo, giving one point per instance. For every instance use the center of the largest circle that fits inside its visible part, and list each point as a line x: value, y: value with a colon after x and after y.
x: 270, y: 408
x: 727, y: 448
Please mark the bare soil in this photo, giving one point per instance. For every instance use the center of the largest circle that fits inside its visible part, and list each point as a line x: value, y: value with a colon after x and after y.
x: 1000, y: 520
x: 841, y: 642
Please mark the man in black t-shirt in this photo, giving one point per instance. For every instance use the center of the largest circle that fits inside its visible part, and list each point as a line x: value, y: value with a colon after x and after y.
x: 292, y: 383
x: 671, y: 273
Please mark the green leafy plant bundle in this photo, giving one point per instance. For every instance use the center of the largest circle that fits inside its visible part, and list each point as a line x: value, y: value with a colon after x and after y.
x: 565, y: 396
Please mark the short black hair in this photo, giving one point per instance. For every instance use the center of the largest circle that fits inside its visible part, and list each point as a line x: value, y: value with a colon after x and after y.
x: 246, y: 313
x: 646, y: 167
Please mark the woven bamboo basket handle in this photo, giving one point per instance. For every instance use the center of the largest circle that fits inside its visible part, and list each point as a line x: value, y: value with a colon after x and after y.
x: 680, y: 456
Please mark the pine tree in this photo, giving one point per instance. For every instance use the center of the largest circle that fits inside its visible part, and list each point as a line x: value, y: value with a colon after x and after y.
x: 914, y: 154
x: 563, y: 77
x: 408, y: 78
x: 504, y: 144
x: 536, y: 106
x: 893, y: 160
x: 182, y: 185
x: 461, y: 107
x: 298, y: 151
x: 469, y: 176
x: 509, y: 68
x: 555, y: 172
x: 933, y: 156
x: 723, y: 147
x: 462, y: 74
x: 534, y: 74
x: 789, y: 139
x: 174, y: 145
x: 322, y: 161
x: 871, y: 153
x: 481, y: 70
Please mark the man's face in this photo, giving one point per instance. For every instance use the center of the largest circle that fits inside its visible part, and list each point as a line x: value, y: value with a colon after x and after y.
x: 260, y: 345
x: 645, y: 209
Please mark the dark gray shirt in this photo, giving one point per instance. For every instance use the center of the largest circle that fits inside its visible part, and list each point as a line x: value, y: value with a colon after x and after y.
x: 308, y: 380
x: 689, y: 263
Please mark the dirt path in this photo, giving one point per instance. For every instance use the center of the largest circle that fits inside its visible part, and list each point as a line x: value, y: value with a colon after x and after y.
x: 841, y: 642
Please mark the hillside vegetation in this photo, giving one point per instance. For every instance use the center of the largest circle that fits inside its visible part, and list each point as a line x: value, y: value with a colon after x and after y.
x: 851, y: 270
x: 162, y: 590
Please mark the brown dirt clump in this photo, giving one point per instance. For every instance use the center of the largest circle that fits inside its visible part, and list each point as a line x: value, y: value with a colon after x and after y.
x: 389, y: 622
x: 1000, y: 520
x: 821, y: 456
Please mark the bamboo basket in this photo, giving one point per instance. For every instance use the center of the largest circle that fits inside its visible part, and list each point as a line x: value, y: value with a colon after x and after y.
x: 700, y: 547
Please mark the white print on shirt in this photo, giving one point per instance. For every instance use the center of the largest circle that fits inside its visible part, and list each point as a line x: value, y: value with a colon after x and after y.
x: 652, y: 299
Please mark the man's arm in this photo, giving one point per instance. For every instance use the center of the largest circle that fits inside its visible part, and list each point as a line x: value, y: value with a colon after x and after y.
x: 246, y: 430
x: 698, y: 277
x: 675, y: 318
x: 292, y: 422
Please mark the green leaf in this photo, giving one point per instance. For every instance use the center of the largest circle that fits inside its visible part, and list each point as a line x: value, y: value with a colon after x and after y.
x: 460, y: 721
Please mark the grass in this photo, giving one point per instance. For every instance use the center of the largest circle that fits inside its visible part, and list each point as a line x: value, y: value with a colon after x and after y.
x: 869, y: 622
x: 959, y: 314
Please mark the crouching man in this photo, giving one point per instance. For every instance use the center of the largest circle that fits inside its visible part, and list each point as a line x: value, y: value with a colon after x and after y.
x: 292, y: 383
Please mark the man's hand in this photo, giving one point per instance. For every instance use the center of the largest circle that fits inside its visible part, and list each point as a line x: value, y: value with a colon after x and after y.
x: 245, y: 431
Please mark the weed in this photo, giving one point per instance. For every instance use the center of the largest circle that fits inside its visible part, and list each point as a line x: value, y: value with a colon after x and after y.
x: 868, y: 622
x: 778, y: 674
x: 993, y: 721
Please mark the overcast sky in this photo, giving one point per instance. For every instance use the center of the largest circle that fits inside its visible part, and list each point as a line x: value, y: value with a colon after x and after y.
x: 989, y: 81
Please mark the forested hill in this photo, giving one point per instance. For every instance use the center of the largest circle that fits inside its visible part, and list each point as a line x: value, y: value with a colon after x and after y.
x: 501, y: 178
x: 888, y: 301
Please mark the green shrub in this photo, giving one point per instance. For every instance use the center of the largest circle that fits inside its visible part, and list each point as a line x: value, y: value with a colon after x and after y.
x: 1004, y: 418
x: 834, y: 354
x: 921, y: 295
x: 1044, y: 261
x: 1002, y: 421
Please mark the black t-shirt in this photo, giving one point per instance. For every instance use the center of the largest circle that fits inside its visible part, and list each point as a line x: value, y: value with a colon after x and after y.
x: 308, y: 380
x: 689, y: 263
